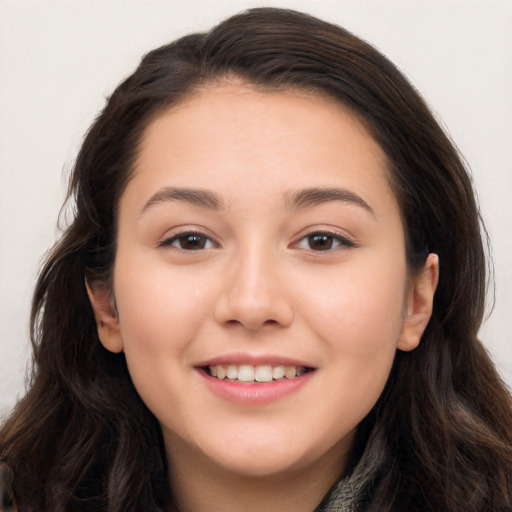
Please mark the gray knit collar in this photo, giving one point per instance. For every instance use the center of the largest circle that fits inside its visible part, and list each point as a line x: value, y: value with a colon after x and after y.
x: 355, y: 489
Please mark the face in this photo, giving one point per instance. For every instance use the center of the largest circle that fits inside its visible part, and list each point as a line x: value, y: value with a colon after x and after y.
x: 259, y: 238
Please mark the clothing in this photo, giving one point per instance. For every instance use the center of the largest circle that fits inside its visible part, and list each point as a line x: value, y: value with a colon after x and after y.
x: 354, y: 490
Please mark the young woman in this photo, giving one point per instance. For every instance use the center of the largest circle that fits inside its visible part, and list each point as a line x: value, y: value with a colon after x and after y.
x: 269, y: 296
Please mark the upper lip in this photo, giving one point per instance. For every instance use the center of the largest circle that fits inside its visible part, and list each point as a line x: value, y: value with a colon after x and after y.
x: 254, y: 360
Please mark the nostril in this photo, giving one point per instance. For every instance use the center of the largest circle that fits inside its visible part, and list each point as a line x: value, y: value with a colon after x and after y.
x: 252, y: 323
x: 252, y: 309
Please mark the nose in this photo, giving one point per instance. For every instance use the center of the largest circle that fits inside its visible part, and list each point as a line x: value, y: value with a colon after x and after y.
x: 254, y: 294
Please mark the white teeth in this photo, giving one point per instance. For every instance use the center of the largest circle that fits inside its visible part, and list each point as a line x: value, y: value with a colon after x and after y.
x: 246, y: 373
x: 232, y: 372
x: 278, y: 372
x: 221, y: 372
x: 290, y: 372
x: 261, y: 373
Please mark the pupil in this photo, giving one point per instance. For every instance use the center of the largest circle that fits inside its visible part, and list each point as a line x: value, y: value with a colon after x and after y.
x: 193, y: 242
x: 320, y: 242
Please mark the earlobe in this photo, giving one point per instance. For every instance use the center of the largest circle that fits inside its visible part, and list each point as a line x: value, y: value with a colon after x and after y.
x: 420, y: 299
x: 105, y: 314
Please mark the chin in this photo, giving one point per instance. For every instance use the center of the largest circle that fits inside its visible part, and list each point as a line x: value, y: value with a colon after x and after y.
x: 271, y: 458
x: 263, y: 466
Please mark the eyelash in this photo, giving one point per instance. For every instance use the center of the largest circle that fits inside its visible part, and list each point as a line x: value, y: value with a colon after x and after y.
x: 333, y: 238
x: 181, y: 237
x: 203, y: 241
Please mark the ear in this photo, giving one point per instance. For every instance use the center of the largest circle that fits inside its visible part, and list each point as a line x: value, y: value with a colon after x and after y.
x: 419, y: 302
x: 105, y: 313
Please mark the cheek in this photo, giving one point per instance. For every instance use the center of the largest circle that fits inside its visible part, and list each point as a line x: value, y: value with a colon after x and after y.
x: 358, y: 318
x: 160, y: 314
x: 160, y: 310
x: 359, y: 309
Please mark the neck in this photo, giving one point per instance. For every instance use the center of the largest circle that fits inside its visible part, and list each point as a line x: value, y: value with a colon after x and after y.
x: 199, y: 485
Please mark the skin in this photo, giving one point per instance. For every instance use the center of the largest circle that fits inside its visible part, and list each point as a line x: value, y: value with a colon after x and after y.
x: 257, y: 286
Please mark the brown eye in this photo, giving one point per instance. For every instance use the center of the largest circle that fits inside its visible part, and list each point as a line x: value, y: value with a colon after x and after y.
x: 189, y: 242
x: 320, y: 242
x: 324, y: 241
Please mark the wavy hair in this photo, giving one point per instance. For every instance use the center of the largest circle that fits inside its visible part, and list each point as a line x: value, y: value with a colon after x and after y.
x: 83, y: 440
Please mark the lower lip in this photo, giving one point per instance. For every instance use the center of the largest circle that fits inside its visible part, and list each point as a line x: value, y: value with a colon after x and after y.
x: 257, y: 393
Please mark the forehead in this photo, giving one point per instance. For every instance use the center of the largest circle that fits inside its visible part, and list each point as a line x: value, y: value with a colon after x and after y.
x: 278, y: 140
x: 236, y: 102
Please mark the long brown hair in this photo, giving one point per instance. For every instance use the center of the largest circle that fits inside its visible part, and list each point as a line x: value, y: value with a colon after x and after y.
x: 82, y: 439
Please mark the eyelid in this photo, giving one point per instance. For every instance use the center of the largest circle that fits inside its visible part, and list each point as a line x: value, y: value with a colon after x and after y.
x: 169, y: 239
x: 344, y: 240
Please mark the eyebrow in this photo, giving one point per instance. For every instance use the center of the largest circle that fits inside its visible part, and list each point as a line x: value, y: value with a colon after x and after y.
x: 316, y: 196
x: 197, y: 197
x: 294, y: 200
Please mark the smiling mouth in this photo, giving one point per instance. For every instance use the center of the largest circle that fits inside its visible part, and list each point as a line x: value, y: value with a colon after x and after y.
x: 246, y: 373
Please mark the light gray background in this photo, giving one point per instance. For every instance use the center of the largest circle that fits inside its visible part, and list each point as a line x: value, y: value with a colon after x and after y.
x: 60, y: 59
